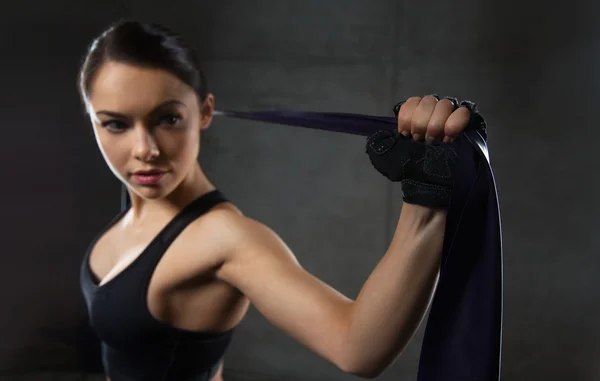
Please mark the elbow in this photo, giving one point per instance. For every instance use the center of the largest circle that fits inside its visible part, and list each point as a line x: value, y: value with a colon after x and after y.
x: 362, y: 369
x: 363, y: 359
x: 367, y: 373
x: 367, y: 364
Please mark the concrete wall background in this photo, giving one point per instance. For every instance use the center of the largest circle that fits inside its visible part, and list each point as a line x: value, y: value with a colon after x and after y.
x: 532, y: 68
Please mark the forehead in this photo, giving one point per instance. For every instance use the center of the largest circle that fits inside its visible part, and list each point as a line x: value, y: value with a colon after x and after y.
x: 131, y: 89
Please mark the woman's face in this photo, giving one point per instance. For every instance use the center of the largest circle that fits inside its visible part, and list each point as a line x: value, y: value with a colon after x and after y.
x: 147, y: 124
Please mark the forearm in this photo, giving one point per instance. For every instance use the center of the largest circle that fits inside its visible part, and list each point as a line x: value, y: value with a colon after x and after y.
x: 394, y: 299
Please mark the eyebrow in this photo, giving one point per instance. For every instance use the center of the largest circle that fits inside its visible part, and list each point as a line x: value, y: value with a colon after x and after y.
x: 164, y: 104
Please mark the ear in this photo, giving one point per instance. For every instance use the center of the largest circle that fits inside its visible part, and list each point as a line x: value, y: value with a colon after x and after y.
x: 207, y: 109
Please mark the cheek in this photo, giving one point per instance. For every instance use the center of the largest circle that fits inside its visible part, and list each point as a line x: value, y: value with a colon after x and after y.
x: 181, y: 147
x: 114, y: 149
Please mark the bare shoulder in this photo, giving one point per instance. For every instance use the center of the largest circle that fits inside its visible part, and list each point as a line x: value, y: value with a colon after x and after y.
x: 243, y: 236
x: 216, y: 231
x: 228, y: 233
x: 253, y: 250
x: 228, y: 244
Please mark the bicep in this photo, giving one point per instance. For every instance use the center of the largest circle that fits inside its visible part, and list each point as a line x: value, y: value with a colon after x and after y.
x: 265, y: 270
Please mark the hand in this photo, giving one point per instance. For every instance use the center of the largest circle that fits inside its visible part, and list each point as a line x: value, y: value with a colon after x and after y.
x: 431, y: 119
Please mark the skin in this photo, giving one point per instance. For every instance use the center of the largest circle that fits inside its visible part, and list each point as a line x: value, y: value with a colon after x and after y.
x: 225, y: 260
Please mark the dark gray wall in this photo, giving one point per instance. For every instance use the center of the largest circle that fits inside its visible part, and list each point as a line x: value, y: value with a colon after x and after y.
x: 532, y: 69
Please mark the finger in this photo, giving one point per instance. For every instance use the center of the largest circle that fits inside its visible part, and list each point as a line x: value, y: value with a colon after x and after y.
x: 405, y: 115
x: 454, y: 101
x: 421, y: 117
x: 437, y: 122
x: 457, y: 122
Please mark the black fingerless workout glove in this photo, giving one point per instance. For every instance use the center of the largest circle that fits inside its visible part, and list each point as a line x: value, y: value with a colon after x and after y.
x: 425, y: 170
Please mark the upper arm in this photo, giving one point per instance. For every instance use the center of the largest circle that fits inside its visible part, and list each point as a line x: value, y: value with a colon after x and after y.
x: 265, y: 270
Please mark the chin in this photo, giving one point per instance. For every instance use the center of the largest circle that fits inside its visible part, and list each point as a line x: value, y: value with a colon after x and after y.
x: 151, y: 193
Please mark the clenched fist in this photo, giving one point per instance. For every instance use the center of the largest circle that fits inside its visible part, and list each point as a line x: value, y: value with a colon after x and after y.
x: 431, y: 119
x: 418, y: 154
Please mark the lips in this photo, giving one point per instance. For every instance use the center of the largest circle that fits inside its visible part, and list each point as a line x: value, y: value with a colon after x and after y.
x: 149, y: 177
x: 153, y: 172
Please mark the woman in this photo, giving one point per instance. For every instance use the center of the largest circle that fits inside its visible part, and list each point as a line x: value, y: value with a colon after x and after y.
x: 169, y: 279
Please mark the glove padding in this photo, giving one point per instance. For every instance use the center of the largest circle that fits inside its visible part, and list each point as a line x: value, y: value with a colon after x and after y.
x: 425, y: 170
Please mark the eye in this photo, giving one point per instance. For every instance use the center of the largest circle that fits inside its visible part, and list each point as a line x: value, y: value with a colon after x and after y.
x: 169, y: 120
x: 114, y: 125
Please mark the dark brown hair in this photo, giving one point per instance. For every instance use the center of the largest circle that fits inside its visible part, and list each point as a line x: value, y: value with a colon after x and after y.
x: 145, y: 45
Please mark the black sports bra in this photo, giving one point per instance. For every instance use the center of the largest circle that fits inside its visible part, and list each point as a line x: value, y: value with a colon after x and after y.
x: 135, y: 345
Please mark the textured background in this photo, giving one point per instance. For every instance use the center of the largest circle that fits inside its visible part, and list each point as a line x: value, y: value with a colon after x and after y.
x: 532, y: 68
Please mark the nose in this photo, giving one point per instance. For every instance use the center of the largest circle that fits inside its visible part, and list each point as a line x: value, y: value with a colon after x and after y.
x: 145, y: 145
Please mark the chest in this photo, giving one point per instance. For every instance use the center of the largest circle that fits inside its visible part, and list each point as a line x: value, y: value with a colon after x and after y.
x: 173, y: 257
x: 145, y: 284
x: 118, y: 249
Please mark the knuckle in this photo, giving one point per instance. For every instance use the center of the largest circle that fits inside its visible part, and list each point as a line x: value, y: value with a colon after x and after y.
x: 418, y: 126
x: 453, y: 127
x: 404, y: 120
x: 447, y: 104
x: 463, y: 112
x: 429, y: 99
x: 435, y: 128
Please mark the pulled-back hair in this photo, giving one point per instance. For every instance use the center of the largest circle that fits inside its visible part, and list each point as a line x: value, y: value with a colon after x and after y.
x: 145, y: 45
